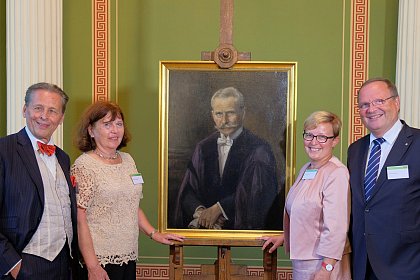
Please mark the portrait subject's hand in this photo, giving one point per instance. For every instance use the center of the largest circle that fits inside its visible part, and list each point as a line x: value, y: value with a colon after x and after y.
x: 275, y: 240
x: 15, y: 271
x: 209, y: 216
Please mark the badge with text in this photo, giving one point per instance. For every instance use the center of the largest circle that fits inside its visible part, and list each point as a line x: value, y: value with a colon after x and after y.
x: 397, y: 172
x: 309, y: 174
x: 137, y: 179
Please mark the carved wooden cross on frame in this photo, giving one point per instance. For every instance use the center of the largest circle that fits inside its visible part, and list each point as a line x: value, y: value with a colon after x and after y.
x: 225, y: 55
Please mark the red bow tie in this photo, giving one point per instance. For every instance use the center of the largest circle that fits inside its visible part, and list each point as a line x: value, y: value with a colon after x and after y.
x: 45, y: 149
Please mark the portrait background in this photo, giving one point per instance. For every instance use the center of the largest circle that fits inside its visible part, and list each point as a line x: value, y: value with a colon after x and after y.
x: 186, y: 95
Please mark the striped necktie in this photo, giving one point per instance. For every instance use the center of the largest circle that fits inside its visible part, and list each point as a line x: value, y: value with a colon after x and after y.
x: 373, y: 167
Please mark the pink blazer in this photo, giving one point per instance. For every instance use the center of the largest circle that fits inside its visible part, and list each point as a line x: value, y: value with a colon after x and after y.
x: 317, y: 214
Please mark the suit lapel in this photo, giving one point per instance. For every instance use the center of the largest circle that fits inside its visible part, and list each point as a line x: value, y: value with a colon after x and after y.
x: 60, y: 158
x: 363, y: 157
x: 28, y: 157
x: 398, y: 151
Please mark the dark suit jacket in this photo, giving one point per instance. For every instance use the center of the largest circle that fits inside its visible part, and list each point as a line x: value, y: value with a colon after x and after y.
x: 387, y: 227
x: 22, y: 197
x: 247, y: 191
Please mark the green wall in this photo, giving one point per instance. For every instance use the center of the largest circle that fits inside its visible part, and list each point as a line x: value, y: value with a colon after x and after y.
x: 77, y: 63
x: 383, y: 38
x: 313, y: 33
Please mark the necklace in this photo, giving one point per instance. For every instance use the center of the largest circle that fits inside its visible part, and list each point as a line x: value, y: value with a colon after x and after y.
x: 115, y: 156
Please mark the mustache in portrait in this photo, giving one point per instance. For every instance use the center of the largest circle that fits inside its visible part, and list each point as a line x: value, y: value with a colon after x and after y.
x: 223, y: 126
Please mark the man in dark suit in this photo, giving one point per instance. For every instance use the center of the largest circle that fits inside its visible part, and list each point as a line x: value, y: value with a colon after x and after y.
x: 231, y: 180
x: 385, y: 183
x: 38, y: 236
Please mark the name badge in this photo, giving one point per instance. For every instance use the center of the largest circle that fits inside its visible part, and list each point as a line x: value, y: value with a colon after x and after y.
x: 397, y: 172
x: 137, y: 179
x: 309, y: 174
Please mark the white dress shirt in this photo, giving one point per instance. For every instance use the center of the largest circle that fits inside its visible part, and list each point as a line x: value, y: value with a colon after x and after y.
x: 390, y: 136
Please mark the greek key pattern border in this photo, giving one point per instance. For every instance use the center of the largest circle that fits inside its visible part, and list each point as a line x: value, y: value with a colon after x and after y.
x: 359, y: 63
x: 161, y: 272
x: 100, y: 50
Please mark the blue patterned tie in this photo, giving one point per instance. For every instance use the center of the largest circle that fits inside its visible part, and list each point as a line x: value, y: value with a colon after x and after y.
x: 373, y: 167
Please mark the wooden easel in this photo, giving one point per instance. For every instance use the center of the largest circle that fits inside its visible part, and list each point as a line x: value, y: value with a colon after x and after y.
x: 225, y: 55
x: 223, y: 269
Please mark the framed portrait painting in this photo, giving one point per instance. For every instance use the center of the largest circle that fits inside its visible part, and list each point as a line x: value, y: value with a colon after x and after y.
x: 226, y: 147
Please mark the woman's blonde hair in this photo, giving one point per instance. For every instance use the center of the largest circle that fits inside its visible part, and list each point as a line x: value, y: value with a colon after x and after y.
x: 318, y: 117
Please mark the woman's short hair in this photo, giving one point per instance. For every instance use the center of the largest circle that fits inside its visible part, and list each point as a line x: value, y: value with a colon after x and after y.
x: 92, y: 114
x: 319, y: 117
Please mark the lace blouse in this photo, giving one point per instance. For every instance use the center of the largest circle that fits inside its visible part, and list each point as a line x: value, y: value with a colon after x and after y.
x: 111, y: 200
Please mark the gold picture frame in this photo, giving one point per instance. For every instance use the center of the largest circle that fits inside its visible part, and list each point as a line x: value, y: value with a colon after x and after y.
x: 185, y: 89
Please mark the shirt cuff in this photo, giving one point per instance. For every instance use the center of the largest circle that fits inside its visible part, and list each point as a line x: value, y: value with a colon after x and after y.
x: 223, y: 211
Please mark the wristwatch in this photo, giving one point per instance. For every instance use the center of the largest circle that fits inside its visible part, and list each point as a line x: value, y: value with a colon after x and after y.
x: 327, y: 266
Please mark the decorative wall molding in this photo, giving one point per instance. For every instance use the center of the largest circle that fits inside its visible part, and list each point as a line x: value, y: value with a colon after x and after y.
x: 359, y: 62
x: 101, y: 50
x: 161, y: 272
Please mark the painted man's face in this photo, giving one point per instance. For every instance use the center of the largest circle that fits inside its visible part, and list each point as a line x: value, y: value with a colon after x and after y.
x: 227, y: 115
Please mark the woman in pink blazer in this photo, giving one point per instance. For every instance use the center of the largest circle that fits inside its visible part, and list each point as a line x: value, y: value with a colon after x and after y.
x: 317, y: 208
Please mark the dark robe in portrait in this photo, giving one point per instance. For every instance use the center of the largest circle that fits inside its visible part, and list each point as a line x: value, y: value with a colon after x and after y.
x: 247, y: 191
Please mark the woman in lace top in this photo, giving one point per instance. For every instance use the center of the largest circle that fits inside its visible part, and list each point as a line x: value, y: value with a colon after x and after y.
x: 109, y: 192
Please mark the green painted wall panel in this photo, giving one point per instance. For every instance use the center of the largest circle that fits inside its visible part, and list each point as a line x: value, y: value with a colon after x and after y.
x: 383, y: 33
x: 77, y: 64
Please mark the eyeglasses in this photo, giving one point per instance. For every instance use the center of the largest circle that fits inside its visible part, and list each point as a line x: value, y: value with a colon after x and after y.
x: 376, y: 102
x: 319, y: 138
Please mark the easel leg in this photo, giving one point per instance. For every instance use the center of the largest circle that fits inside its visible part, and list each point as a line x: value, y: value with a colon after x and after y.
x: 270, y: 264
x: 223, y: 263
x: 176, y: 262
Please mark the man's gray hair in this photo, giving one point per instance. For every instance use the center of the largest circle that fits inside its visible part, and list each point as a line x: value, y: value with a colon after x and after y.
x: 229, y: 92
x: 48, y: 87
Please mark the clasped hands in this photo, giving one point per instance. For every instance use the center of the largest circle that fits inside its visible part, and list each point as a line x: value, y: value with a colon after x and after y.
x: 209, y: 216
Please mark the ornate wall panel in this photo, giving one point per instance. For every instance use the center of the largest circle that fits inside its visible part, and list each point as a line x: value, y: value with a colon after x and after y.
x: 358, y: 62
x: 101, y: 50
x: 161, y: 272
